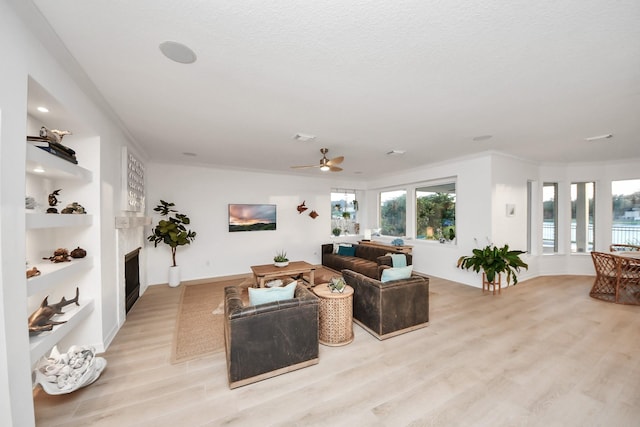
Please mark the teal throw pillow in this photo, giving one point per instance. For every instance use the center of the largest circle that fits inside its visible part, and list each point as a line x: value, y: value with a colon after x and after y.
x: 347, y: 250
x: 396, y: 273
x: 259, y: 296
x: 399, y: 260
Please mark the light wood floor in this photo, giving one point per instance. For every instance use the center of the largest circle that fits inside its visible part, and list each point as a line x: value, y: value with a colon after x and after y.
x: 541, y: 354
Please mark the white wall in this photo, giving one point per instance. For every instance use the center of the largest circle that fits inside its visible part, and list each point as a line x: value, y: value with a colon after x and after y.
x: 473, y: 213
x: 24, y: 56
x: 204, y: 193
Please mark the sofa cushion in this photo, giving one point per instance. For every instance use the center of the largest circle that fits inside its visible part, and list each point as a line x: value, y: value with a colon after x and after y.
x: 346, y: 250
x: 398, y: 260
x: 259, y: 296
x: 396, y: 273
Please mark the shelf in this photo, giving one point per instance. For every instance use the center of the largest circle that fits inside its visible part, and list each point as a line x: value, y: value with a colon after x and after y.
x: 42, y: 343
x: 42, y: 220
x: 54, y: 167
x: 52, y: 274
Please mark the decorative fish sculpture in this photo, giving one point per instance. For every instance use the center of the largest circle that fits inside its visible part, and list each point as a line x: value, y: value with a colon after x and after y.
x: 301, y: 207
x: 40, y: 320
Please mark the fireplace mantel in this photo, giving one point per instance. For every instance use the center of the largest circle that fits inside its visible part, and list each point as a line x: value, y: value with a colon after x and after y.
x: 132, y: 221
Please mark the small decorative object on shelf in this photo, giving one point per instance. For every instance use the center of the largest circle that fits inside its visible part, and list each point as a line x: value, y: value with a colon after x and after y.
x: 30, y: 202
x: 32, y: 272
x: 337, y: 284
x: 53, y: 201
x: 336, y: 231
x: 65, y: 373
x: 313, y: 214
x: 78, y: 253
x: 53, y: 140
x: 74, y: 208
x: 40, y: 320
x: 301, y: 207
x: 59, y: 255
x: 397, y: 242
x: 281, y: 260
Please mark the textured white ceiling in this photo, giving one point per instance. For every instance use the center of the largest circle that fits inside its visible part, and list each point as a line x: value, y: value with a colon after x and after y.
x: 366, y: 77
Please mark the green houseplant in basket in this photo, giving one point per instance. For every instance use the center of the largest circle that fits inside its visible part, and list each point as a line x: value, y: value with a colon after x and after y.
x: 493, y: 261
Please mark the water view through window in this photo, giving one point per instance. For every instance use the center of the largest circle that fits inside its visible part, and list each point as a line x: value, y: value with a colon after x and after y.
x: 625, y: 228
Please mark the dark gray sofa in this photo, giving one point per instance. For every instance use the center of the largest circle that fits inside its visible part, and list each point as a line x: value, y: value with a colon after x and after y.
x: 368, y: 260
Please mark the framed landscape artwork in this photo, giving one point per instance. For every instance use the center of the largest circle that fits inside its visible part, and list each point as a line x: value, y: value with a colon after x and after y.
x: 248, y: 217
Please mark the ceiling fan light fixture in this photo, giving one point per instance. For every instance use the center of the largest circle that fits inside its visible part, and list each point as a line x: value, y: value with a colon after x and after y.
x: 324, y: 168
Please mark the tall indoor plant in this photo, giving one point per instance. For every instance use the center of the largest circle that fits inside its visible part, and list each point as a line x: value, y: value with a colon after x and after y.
x: 172, y: 231
x: 493, y: 261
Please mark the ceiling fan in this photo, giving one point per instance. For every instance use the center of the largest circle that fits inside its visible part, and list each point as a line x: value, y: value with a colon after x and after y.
x: 325, y: 164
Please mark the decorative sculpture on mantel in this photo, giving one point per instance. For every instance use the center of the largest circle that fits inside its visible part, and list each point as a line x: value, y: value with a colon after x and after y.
x: 40, y: 320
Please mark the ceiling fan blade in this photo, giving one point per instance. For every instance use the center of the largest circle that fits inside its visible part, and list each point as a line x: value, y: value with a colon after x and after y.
x: 305, y: 166
x: 334, y: 169
x: 336, y: 161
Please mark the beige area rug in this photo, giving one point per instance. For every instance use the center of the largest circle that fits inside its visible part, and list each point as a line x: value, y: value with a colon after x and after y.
x: 199, y: 326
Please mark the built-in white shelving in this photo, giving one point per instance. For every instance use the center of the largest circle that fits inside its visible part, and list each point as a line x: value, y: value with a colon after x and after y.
x: 53, y: 166
x: 42, y: 343
x: 46, y: 173
x: 51, y: 274
x: 35, y: 220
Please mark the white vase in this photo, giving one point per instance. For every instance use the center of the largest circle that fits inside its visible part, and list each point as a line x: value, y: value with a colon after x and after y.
x: 174, y: 276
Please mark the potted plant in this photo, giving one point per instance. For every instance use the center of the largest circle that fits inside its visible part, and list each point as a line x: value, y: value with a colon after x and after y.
x: 281, y: 260
x: 336, y: 231
x: 172, y: 231
x: 494, y: 261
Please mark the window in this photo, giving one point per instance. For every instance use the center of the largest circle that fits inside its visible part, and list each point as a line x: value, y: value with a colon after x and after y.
x: 550, y: 217
x: 344, y: 210
x: 582, y: 216
x: 393, y: 213
x: 436, y: 212
x: 625, y: 228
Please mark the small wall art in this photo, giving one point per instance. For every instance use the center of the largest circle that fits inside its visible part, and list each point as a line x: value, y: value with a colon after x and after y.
x: 511, y: 209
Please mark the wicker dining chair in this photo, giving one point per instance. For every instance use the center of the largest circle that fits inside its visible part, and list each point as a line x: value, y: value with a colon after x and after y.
x: 606, y: 282
x: 617, y: 247
x: 628, y: 290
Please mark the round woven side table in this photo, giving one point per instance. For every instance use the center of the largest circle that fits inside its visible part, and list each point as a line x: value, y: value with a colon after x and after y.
x: 336, y: 315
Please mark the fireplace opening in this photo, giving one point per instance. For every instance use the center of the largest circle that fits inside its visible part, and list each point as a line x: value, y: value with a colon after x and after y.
x: 131, y: 278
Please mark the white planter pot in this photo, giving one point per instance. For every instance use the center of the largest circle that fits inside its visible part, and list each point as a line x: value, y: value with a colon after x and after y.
x: 281, y: 264
x: 174, y: 276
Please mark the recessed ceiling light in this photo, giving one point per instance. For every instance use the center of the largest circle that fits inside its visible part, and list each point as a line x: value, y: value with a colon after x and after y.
x: 38, y: 169
x: 395, y: 152
x: 186, y: 153
x: 304, y: 137
x: 178, y: 52
x: 43, y: 109
x: 482, y: 137
x: 596, y: 138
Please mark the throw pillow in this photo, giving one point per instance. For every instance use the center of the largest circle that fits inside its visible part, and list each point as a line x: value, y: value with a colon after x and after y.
x: 396, y: 273
x: 259, y: 296
x: 347, y: 251
x: 399, y: 260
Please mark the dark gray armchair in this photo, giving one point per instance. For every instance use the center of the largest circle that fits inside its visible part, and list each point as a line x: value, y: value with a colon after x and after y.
x: 389, y: 309
x: 266, y: 340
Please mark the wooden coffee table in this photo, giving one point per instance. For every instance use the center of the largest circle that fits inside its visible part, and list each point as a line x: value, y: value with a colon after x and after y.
x: 261, y: 273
